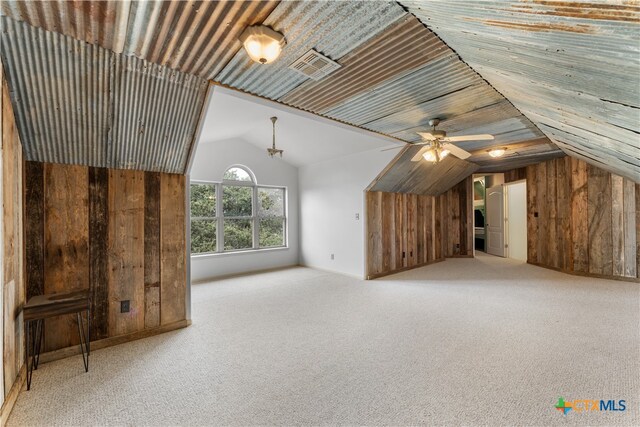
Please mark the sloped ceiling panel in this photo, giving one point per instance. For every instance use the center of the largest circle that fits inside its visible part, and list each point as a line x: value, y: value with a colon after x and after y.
x: 332, y: 28
x: 195, y: 37
x: 573, y: 68
x: 78, y: 103
x: 392, y: 82
x: 404, y: 176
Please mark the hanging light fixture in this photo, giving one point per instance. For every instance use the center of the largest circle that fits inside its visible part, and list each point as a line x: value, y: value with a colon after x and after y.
x: 273, y: 150
x: 262, y: 43
x: 497, y: 152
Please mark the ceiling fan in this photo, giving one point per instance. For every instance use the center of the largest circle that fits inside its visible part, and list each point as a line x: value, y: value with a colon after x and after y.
x: 437, y: 145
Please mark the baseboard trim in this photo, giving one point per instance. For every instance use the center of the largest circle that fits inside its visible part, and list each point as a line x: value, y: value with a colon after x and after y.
x: 12, y: 397
x: 111, y: 341
x: 388, y: 273
x: 582, y: 274
x: 244, y: 273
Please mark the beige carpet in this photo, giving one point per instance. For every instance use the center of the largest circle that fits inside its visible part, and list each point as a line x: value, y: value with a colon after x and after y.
x: 475, y: 342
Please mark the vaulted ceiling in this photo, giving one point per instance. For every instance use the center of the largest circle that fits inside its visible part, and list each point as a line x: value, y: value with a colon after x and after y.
x: 546, y: 78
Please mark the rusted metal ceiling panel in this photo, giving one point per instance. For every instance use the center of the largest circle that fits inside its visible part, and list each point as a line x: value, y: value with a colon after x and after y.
x: 573, y: 68
x: 103, y: 23
x: 78, y: 103
x: 196, y: 37
x: 332, y: 28
x: 408, y: 45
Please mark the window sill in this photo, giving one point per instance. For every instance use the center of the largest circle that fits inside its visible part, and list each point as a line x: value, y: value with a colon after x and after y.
x: 248, y: 251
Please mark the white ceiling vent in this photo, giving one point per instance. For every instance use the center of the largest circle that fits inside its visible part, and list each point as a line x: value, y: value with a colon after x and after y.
x: 314, y: 65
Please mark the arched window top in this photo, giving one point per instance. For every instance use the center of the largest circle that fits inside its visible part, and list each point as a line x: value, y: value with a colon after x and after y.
x: 239, y: 174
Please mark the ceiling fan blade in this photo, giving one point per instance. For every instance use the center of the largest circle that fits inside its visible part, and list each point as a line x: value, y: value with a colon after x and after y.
x: 457, y: 151
x: 482, y: 137
x: 418, y: 155
x: 427, y: 136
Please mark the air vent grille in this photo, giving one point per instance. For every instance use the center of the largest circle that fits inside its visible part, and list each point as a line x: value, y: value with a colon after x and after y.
x: 314, y: 65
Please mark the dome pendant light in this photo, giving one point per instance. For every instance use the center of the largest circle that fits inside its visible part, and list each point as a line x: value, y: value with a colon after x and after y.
x: 273, y: 150
x: 262, y: 43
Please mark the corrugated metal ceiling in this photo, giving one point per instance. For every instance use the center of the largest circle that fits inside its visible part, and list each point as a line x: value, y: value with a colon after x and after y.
x: 332, y: 28
x: 573, y: 68
x: 391, y: 83
x: 79, y: 103
x: 196, y: 37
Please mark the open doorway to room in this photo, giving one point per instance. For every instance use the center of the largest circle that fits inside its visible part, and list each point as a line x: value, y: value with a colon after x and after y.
x: 500, y: 216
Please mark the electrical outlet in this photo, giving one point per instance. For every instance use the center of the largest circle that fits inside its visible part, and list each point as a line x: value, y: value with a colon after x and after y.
x: 124, y: 306
x: 332, y: 257
x: 357, y: 216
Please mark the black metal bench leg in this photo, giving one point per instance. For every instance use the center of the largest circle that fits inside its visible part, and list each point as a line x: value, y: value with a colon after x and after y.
x: 28, y: 344
x: 83, y: 342
x: 38, y: 337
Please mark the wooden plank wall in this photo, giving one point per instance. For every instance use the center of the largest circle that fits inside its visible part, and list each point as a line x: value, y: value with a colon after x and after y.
x: 581, y: 219
x: 121, y: 231
x: 408, y: 230
x: 13, y: 290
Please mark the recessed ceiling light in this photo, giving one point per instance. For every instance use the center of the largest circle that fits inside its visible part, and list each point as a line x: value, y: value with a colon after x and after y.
x: 262, y: 43
x: 497, y: 152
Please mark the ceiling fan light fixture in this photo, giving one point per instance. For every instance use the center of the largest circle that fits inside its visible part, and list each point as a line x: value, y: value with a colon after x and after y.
x: 263, y: 44
x: 444, y: 153
x: 497, y: 152
x: 430, y: 156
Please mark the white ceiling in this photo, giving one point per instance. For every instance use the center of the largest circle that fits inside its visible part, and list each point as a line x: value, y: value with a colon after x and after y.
x: 304, y: 137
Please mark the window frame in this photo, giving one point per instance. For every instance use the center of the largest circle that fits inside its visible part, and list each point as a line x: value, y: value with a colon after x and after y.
x: 254, y: 218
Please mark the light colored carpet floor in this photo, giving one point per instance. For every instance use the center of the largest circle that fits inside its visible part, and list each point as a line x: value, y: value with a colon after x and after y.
x: 484, y: 341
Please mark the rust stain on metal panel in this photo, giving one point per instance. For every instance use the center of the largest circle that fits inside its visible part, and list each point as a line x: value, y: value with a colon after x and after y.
x: 581, y: 10
x: 405, y: 46
x: 578, y: 28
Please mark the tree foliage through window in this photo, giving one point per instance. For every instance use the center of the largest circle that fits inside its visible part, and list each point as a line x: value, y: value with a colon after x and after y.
x: 247, y: 216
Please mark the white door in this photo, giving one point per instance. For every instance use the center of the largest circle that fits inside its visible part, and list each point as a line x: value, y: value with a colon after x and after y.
x: 495, y: 220
x: 517, y: 220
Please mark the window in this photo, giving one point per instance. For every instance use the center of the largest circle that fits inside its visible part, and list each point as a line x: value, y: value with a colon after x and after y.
x: 237, y: 214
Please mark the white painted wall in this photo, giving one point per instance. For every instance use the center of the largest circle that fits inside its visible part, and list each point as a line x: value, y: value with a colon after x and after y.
x: 517, y: 220
x: 331, y: 194
x: 210, y: 162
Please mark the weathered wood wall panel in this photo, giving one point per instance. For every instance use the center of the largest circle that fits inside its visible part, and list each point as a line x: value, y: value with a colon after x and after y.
x: 34, y: 230
x: 66, y: 244
x: 151, y: 250
x: 99, y: 251
x: 126, y: 250
x: 12, y: 284
x: 515, y: 175
x: 110, y: 230
x: 408, y: 230
x: 582, y: 219
x: 173, y: 271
